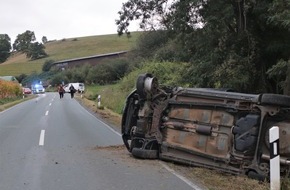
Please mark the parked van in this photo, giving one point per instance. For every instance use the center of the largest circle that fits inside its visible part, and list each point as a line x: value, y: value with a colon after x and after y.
x: 80, y: 87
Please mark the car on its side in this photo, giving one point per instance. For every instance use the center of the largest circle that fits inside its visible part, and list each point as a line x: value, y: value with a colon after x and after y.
x: 222, y: 130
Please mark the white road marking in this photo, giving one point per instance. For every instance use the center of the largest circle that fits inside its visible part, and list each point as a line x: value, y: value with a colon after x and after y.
x: 187, y: 181
x: 41, y: 138
x: 50, y: 104
x: 46, y: 113
x: 106, y: 125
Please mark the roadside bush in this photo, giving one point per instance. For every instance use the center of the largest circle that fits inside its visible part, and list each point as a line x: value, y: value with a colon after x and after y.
x: 35, y: 77
x: 108, y: 72
x: 47, y: 65
x: 58, y: 79
x: 21, y: 77
x: 149, y: 42
x: 9, y: 89
x: 113, y: 96
x: 168, y: 73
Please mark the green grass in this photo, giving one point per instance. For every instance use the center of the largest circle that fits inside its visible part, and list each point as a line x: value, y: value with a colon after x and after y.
x: 68, y: 49
x: 112, y: 97
x: 10, y: 102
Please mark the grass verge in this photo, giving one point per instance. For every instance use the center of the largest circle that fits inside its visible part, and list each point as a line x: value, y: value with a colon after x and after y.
x: 9, y: 102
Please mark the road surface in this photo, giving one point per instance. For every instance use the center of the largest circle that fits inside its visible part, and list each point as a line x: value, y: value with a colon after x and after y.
x: 49, y: 143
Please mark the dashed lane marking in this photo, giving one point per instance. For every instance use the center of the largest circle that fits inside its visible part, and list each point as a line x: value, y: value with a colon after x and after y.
x: 41, y: 138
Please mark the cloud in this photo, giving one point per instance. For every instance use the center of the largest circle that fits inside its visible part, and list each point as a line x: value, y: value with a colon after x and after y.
x: 59, y: 19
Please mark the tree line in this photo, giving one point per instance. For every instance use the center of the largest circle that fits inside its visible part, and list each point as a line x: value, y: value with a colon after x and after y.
x: 24, y: 43
x: 242, y: 45
x: 239, y: 44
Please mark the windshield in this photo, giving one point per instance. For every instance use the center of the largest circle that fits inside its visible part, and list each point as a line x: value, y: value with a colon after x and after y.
x: 38, y: 86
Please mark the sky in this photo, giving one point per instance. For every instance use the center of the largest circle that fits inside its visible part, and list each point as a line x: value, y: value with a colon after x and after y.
x: 59, y: 19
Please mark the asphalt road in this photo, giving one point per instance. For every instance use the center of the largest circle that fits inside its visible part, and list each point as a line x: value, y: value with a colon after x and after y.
x: 50, y: 143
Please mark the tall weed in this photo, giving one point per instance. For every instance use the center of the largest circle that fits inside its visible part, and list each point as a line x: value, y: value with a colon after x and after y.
x: 9, y: 89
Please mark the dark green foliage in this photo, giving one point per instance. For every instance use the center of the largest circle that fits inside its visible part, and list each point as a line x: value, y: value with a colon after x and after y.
x: 142, y: 10
x: 167, y: 73
x: 228, y: 43
x: 21, y: 77
x: 57, y: 79
x: 44, y: 78
x: 5, y: 47
x: 278, y: 73
x: 47, y: 65
x: 149, y: 42
x: 25, y: 43
x: 44, y: 39
x: 28, y: 80
x: 280, y: 13
x: 35, y: 51
x: 108, y: 72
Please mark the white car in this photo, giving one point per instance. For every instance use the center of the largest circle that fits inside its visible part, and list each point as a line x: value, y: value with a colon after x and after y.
x: 80, y: 87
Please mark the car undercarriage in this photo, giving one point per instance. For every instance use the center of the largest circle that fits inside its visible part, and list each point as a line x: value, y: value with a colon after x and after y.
x: 212, y: 128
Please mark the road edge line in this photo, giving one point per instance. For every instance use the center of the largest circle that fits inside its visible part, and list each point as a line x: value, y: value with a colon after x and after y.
x: 116, y: 132
x: 184, y: 179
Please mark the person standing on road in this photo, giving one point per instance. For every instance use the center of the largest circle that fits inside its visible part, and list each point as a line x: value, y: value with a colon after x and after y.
x: 72, y: 91
x: 60, y: 91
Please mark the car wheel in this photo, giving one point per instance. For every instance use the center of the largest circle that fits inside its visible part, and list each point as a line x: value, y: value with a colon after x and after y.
x: 140, y: 85
x: 254, y: 175
x: 145, y: 154
x: 275, y: 100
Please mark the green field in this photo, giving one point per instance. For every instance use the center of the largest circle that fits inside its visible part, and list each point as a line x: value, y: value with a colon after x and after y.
x: 68, y: 49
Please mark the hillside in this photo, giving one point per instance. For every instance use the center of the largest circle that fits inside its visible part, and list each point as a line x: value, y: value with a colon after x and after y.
x: 67, y: 49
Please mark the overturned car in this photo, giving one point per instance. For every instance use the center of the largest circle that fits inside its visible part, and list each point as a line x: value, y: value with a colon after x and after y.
x: 217, y: 129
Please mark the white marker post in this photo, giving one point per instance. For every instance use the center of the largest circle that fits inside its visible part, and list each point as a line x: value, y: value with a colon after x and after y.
x: 99, y: 101
x: 274, y: 158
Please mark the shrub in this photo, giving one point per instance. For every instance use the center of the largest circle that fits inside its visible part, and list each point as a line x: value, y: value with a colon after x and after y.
x: 47, y: 65
x: 168, y: 73
x: 9, y: 89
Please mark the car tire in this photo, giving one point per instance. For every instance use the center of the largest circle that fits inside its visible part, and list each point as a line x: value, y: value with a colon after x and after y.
x: 254, y: 175
x: 145, y: 154
x: 140, y: 85
x: 275, y: 100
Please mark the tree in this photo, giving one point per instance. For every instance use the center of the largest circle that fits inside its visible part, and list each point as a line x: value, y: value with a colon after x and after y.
x: 23, y: 41
x: 35, y: 51
x: 21, y: 77
x: 47, y: 65
x: 229, y: 43
x: 5, y: 47
x: 279, y: 16
x: 44, y: 39
x: 145, y: 11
